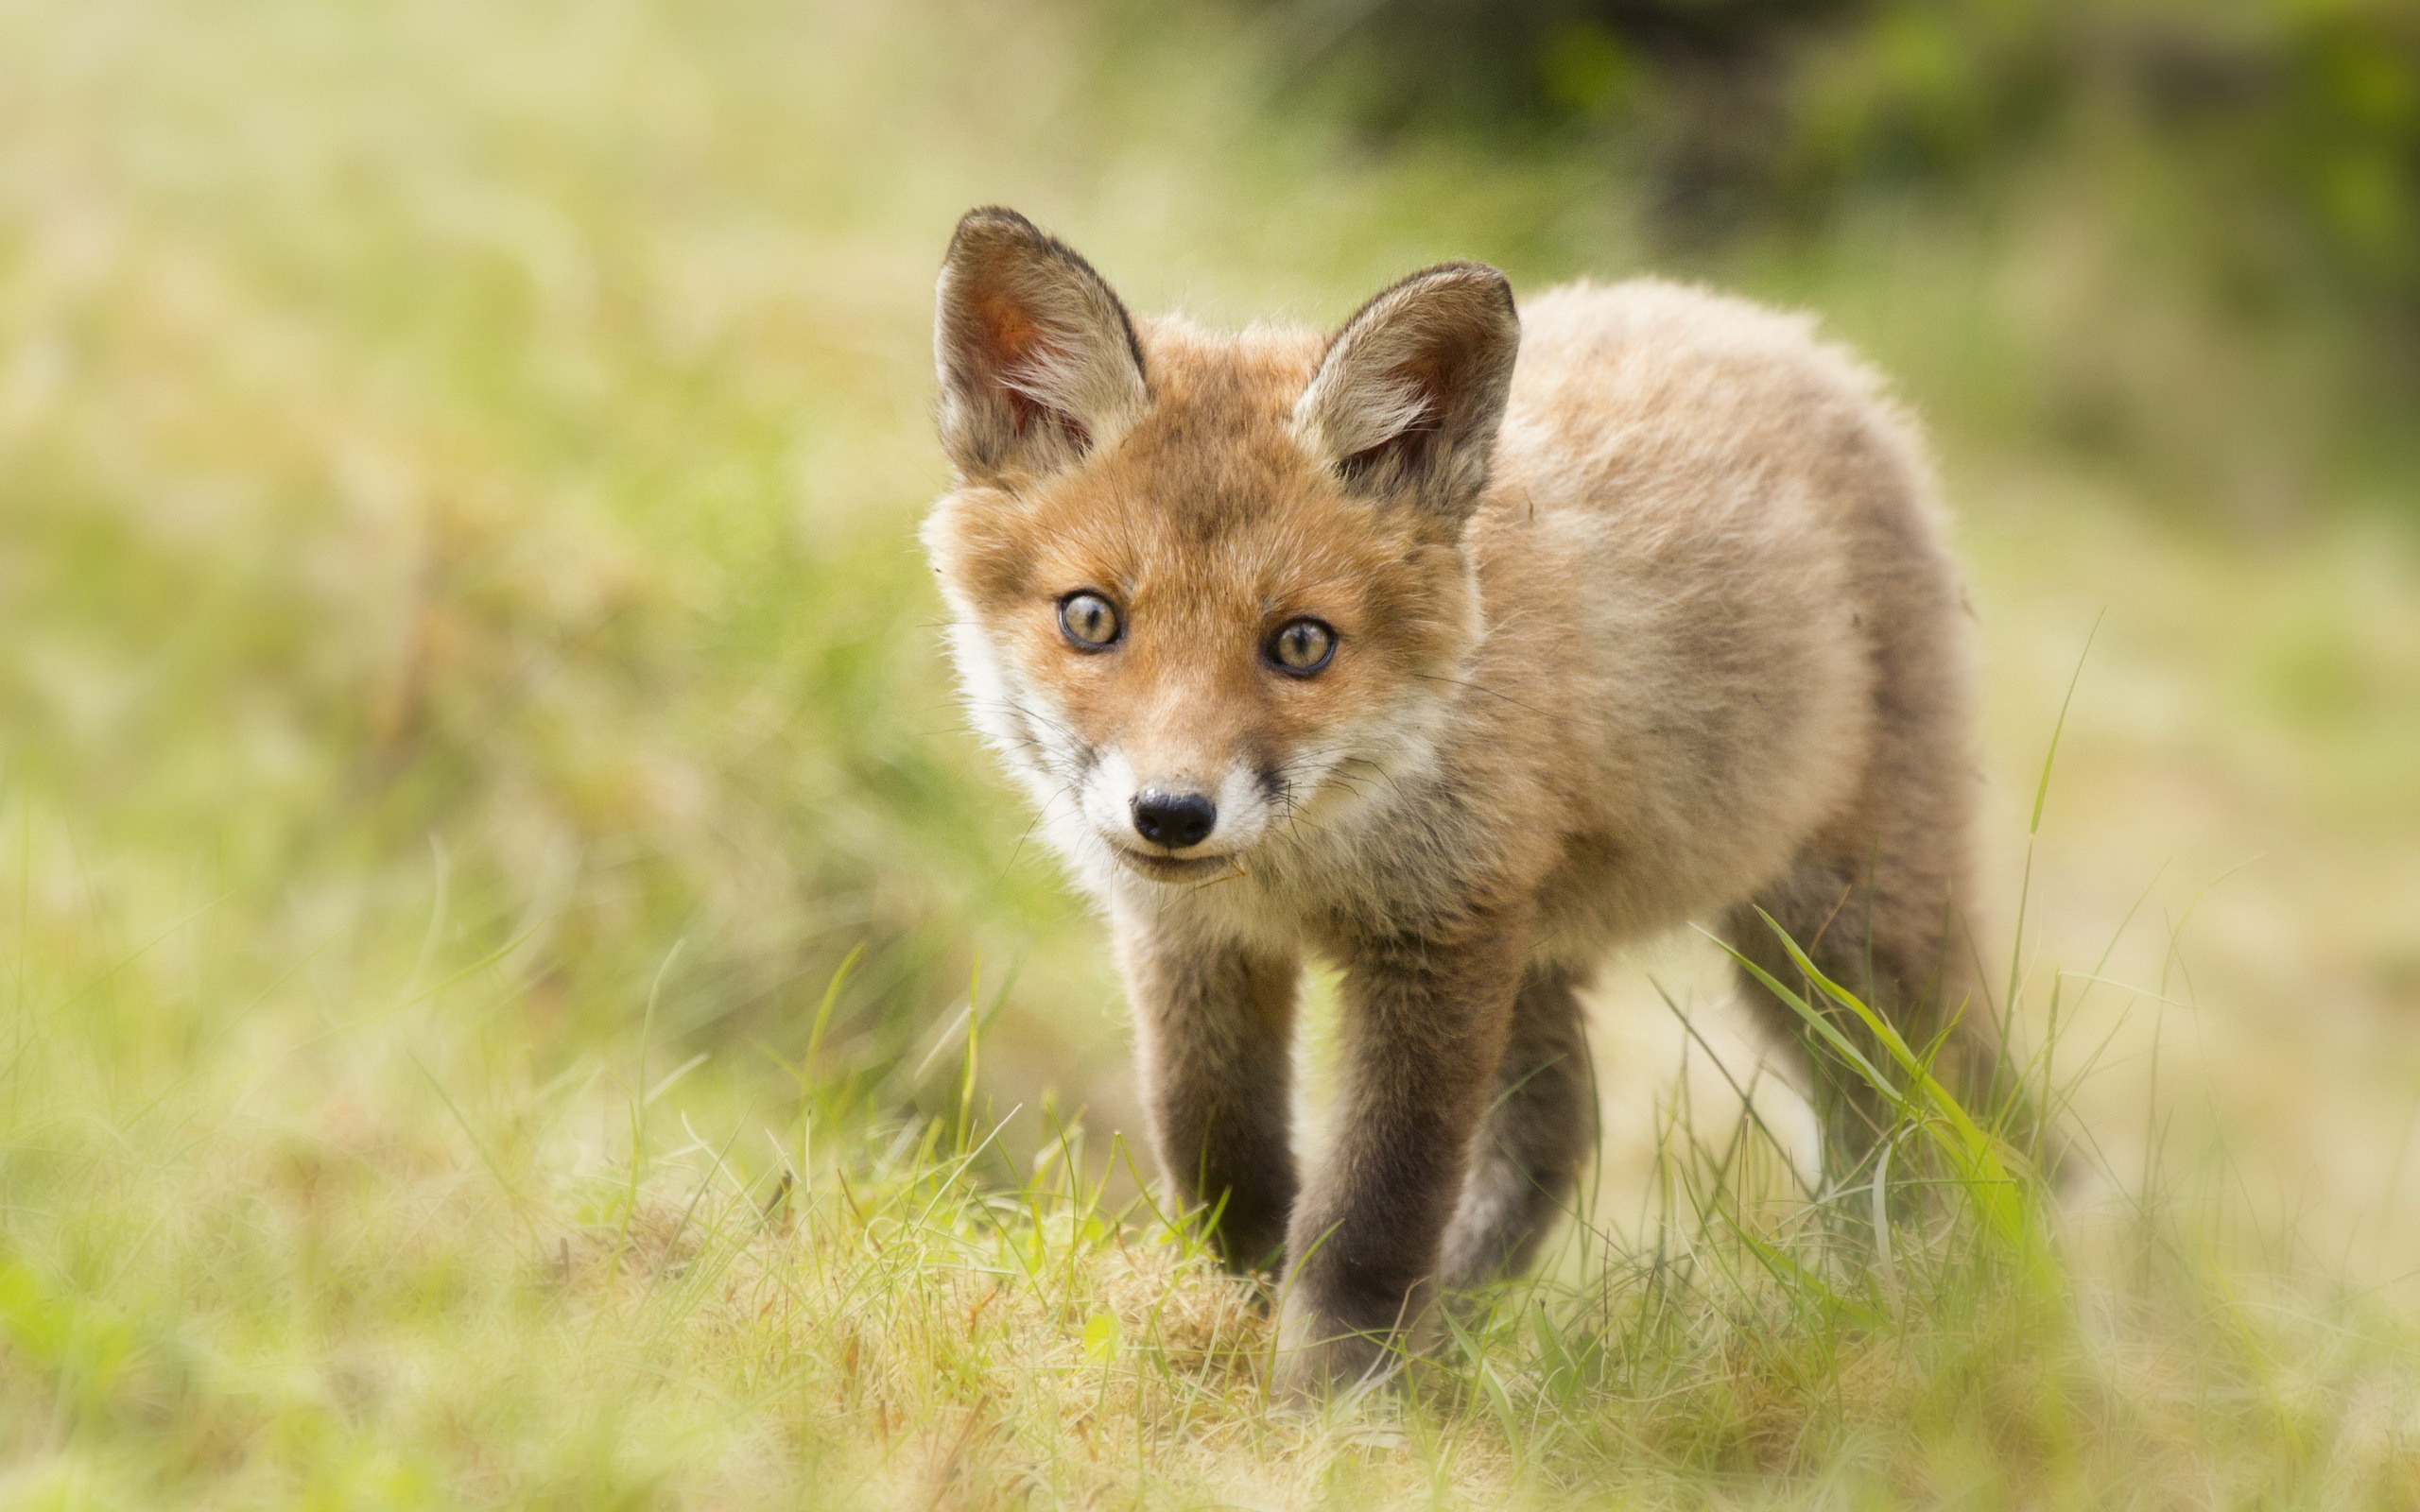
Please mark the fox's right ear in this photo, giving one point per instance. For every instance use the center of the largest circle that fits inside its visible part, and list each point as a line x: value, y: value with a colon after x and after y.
x: 1039, y: 364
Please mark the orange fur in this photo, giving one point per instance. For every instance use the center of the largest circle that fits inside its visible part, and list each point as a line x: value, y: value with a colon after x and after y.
x: 1654, y: 622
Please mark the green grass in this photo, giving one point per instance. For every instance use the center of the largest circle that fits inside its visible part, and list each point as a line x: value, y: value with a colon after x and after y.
x: 364, y: 1244
x: 518, y: 990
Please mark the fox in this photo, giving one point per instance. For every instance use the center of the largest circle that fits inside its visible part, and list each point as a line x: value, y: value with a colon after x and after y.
x: 1457, y: 647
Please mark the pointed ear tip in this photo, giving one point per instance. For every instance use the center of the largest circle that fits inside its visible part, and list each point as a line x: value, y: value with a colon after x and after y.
x: 1479, y: 278
x: 1473, y: 270
x: 1475, y: 289
x: 1000, y: 214
x: 992, y: 224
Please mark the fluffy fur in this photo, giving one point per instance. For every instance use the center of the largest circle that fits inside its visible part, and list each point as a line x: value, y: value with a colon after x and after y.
x: 1643, y: 615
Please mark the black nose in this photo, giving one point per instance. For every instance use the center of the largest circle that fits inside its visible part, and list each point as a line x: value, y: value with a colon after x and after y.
x: 1173, y: 819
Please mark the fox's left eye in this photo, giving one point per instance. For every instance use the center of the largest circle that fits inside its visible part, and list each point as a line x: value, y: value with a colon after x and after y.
x: 1089, y: 621
x: 1302, y: 646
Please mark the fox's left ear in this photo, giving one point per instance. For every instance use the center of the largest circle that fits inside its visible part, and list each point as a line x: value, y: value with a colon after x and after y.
x: 1407, y: 399
x: 1039, y: 364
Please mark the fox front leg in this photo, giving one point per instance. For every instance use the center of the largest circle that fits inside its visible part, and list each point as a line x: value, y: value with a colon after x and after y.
x: 1214, y: 1033
x: 1425, y: 1023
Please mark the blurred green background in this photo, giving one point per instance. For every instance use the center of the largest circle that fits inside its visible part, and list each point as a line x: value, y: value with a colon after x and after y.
x: 2245, y: 170
x: 458, y: 465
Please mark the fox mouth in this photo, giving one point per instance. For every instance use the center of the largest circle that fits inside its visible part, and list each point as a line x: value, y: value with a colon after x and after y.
x: 1173, y: 869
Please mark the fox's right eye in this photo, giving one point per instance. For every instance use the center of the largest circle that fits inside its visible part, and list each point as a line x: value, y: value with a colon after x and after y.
x: 1088, y: 622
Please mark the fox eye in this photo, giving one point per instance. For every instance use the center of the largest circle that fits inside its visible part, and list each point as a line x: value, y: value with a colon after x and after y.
x: 1302, y: 646
x: 1088, y: 622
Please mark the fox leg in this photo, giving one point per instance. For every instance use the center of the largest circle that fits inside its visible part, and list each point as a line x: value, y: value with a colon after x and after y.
x: 1885, y: 926
x: 1214, y: 1032
x: 1537, y: 1132
x: 1425, y: 1023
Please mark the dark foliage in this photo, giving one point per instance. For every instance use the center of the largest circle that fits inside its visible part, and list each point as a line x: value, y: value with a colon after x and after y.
x: 2282, y: 138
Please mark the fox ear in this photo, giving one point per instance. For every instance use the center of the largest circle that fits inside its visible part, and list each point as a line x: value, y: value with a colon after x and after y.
x: 1407, y: 399
x: 1039, y: 364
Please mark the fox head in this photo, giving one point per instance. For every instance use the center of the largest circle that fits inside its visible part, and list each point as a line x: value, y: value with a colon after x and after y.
x: 1208, y: 592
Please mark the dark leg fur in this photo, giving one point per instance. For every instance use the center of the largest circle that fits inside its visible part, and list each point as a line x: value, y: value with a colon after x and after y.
x: 1215, y: 1047
x: 1425, y: 1025
x: 1888, y: 932
x: 1526, y: 1162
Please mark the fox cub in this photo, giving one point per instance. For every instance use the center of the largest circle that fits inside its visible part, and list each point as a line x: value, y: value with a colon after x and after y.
x: 1454, y: 647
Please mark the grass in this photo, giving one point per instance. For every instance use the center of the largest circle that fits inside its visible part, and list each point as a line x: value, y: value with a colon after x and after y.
x: 399, y: 1259
x: 518, y: 991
